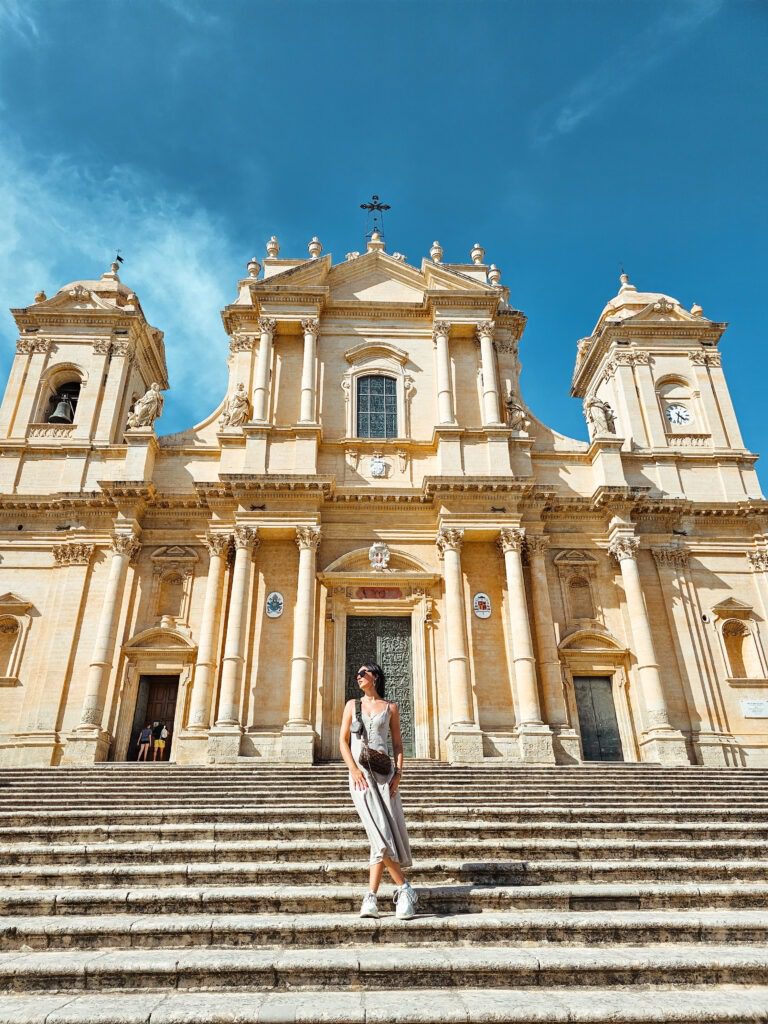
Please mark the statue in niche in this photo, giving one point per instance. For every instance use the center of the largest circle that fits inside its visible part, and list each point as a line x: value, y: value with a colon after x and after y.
x: 237, y: 411
x: 600, y: 417
x: 147, y: 408
x: 514, y: 411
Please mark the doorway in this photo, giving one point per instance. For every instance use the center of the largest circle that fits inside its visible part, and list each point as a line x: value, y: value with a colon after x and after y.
x: 155, y: 702
x: 385, y: 639
x: 599, y: 726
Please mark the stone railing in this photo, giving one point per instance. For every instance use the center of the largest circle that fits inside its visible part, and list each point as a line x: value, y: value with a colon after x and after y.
x: 50, y: 429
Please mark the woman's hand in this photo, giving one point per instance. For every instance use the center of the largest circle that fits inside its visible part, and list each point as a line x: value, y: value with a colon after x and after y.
x: 394, y: 783
x: 359, y: 780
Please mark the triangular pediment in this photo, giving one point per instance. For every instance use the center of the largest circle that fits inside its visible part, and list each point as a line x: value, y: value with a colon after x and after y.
x: 732, y: 606
x: 77, y: 298
x: 439, y: 277
x: 12, y: 604
x: 575, y: 557
x: 663, y: 311
x: 376, y: 277
x: 310, y: 273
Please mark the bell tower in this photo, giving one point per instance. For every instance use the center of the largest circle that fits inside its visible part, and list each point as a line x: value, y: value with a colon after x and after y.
x: 82, y: 357
x: 650, y: 374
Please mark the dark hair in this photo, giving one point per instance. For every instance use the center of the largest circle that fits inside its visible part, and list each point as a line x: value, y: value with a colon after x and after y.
x: 378, y: 676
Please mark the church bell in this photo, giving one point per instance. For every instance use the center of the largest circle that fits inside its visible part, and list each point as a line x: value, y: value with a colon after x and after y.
x: 63, y: 413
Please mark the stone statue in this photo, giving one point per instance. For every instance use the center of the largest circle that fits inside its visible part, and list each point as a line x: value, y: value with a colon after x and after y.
x: 237, y: 411
x: 147, y: 408
x: 600, y: 417
x: 514, y: 412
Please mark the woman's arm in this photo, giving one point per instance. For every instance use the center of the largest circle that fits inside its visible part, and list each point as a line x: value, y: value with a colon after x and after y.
x: 358, y: 779
x: 397, y: 747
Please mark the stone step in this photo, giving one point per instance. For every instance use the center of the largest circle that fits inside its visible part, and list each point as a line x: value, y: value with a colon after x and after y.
x: 321, y: 897
x: 84, y: 832
x: 170, y: 930
x: 367, y: 968
x: 354, y: 849
x: 697, y: 1004
x: 426, y: 872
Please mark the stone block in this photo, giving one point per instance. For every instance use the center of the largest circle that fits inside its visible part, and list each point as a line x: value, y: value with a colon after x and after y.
x: 86, y: 747
x: 536, y: 744
x: 298, y: 746
x: 664, y: 746
x: 224, y: 744
x: 465, y: 745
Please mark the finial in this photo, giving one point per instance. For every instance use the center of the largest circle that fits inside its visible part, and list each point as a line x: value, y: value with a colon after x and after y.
x: 494, y: 275
x: 315, y: 247
x: 436, y: 252
x: 696, y: 310
x: 41, y: 296
x: 375, y: 242
x: 626, y: 284
x: 253, y: 267
x: 477, y: 255
x: 273, y: 248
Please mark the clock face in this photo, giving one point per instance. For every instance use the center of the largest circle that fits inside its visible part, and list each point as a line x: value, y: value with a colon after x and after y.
x: 678, y: 414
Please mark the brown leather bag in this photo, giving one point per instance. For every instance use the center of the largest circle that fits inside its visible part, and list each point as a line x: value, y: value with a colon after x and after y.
x: 374, y: 760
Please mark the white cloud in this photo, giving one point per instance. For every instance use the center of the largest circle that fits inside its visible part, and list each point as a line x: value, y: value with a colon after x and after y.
x: 62, y: 222
x: 623, y: 68
x: 16, y: 18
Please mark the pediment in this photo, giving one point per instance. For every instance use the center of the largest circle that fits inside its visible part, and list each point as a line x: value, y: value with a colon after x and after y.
x: 663, y: 311
x: 12, y: 604
x: 308, y: 273
x: 438, y: 277
x: 376, y: 277
x: 359, y: 561
x: 731, y: 607
x: 592, y: 639
x: 75, y: 299
x: 575, y: 557
x: 156, y: 638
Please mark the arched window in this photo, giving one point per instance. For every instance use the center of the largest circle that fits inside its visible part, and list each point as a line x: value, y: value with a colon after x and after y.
x: 677, y: 404
x: 581, y: 598
x: 740, y: 648
x: 62, y: 404
x: 376, y: 406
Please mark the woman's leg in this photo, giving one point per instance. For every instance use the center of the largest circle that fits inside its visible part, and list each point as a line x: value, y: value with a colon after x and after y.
x: 394, y: 869
x: 375, y: 873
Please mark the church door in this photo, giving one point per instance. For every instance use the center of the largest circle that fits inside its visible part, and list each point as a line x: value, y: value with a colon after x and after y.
x: 600, y: 740
x: 385, y: 639
x: 155, y: 702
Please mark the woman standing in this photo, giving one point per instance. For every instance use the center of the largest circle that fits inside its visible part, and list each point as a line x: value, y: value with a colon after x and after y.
x: 376, y: 796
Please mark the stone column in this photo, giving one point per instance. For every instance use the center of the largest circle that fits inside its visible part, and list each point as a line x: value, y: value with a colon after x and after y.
x: 311, y: 327
x: 465, y: 741
x: 218, y: 545
x: 89, y: 742
x: 556, y: 714
x: 490, y: 376
x: 267, y: 327
x: 535, y: 738
x: 224, y: 738
x: 660, y: 741
x: 298, y: 735
x: 440, y: 335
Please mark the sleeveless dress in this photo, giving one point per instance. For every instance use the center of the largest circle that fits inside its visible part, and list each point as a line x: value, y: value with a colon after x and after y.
x: 382, y: 814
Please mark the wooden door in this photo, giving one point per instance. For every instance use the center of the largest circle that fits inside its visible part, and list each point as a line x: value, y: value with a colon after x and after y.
x: 600, y: 739
x: 162, y: 694
x: 385, y: 639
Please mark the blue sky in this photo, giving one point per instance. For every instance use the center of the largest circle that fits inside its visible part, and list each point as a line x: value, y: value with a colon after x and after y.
x: 566, y: 137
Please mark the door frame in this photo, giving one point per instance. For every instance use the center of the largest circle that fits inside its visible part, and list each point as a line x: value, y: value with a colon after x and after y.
x: 610, y: 678
x: 338, y: 598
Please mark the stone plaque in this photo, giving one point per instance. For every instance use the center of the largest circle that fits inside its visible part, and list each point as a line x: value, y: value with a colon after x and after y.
x: 754, y: 708
x: 481, y: 605
x: 274, y: 605
x: 379, y: 593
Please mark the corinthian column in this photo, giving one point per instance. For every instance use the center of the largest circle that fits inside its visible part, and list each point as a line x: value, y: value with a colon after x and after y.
x: 218, y: 545
x: 490, y: 376
x: 311, y: 327
x: 224, y: 738
x: 298, y: 735
x: 440, y: 335
x: 267, y: 327
x: 535, y: 738
x: 465, y: 741
x: 125, y: 546
x: 660, y: 741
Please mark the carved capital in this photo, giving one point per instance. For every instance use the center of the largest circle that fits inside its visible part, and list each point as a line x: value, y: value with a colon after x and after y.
x: 673, y: 556
x: 441, y: 329
x: 536, y: 543
x: 102, y: 346
x: 28, y: 346
x: 218, y: 543
x: 308, y: 538
x: 267, y: 325
x: 449, y: 539
x: 246, y: 537
x: 485, y: 329
x: 126, y: 544
x: 241, y: 345
x: 758, y: 560
x: 624, y: 547
x: 705, y: 357
x: 511, y: 539
x: 72, y: 553
x: 311, y: 325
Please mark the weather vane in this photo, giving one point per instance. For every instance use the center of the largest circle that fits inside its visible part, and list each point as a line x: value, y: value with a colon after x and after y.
x: 376, y: 211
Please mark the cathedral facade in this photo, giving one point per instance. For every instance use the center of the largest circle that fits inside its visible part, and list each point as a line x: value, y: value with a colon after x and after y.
x: 373, y: 487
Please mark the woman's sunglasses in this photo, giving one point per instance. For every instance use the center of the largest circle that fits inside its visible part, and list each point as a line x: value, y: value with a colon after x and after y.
x: 362, y: 672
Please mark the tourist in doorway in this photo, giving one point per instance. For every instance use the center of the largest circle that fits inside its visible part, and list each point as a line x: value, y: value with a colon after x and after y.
x: 365, y: 727
x: 145, y: 740
x: 159, y: 736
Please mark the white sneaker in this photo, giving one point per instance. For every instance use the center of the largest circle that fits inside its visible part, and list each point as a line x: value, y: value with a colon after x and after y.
x: 370, y: 907
x: 405, y: 900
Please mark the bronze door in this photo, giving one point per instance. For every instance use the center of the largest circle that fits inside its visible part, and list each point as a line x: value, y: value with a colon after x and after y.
x: 162, y: 693
x: 385, y: 639
x: 600, y: 739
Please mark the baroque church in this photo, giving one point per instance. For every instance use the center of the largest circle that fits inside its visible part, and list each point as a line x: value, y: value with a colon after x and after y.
x: 373, y: 486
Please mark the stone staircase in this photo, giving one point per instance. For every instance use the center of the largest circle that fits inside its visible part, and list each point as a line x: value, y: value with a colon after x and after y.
x: 154, y: 893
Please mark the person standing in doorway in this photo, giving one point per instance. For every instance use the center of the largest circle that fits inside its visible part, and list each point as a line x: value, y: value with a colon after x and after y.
x: 367, y: 722
x: 158, y: 740
x: 145, y: 739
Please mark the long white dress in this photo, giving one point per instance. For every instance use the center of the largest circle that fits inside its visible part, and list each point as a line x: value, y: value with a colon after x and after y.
x: 380, y: 812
